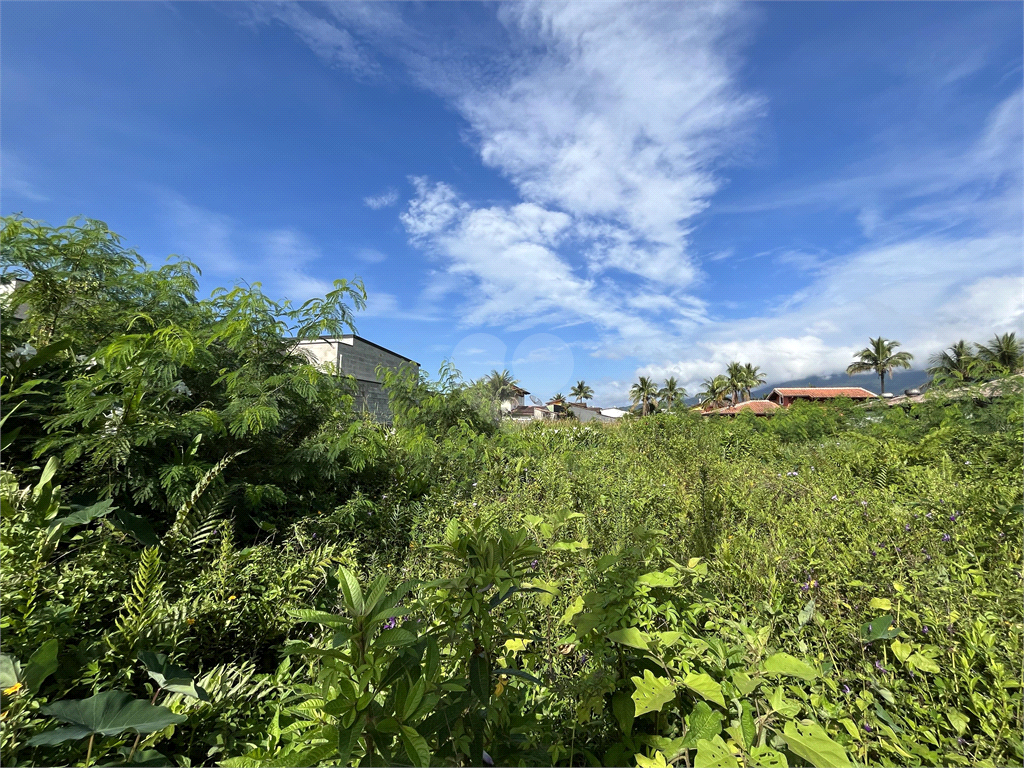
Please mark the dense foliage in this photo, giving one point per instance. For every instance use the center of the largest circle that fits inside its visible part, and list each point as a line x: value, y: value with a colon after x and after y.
x: 209, y: 558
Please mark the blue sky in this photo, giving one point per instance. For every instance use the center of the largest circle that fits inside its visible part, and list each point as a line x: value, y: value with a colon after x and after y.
x: 590, y: 190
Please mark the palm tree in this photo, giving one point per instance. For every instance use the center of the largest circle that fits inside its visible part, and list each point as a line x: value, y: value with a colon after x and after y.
x: 1006, y: 351
x: 958, y: 362
x: 581, y: 391
x: 715, y: 390
x: 671, y: 392
x: 501, y: 385
x: 644, y: 391
x: 737, y: 381
x: 559, y: 398
x: 881, y: 357
x: 753, y: 378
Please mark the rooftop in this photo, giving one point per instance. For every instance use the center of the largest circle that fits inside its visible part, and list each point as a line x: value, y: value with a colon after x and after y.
x: 853, y: 392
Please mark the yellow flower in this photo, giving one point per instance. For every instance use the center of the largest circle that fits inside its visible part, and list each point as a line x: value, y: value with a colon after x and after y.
x: 13, y: 689
x: 233, y: 597
x: 190, y: 621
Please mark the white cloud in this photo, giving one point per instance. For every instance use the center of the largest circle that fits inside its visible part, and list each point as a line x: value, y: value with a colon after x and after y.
x: 14, y: 176
x: 370, y: 255
x: 383, y: 200
x: 281, y: 259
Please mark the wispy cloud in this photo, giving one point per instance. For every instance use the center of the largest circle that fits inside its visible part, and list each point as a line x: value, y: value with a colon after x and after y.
x: 383, y: 200
x: 14, y: 176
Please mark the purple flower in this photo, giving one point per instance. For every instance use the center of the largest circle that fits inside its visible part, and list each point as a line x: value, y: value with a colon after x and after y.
x: 925, y: 629
x: 868, y: 728
x: 391, y: 623
x: 946, y: 537
x: 906, y: 527
x: 533, y: 564
x: 846, y: 689
x: 835, y: 498
x: 879, y: 667
x: 863, y: 503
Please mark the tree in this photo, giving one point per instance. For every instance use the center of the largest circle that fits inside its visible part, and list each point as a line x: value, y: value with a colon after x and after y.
x: 958, y: 363
x: 671, y: 392
x: 581, y: 391
x: 501, y: 386
x: 881, y: 357
x: 737, y: 380
x: 559, y: 398
x: 1005, y: 351
x: 714, y: 393
x: 644, y: 391
x: 752, y: 377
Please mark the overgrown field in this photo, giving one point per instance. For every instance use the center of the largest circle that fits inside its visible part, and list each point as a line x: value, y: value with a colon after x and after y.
x: 209, y: 559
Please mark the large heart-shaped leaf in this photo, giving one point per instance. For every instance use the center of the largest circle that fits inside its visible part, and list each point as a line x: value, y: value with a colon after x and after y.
x: 810, y: 741
x: 85, y: 514
x: 652, y: 693
x: 105, y: 714
x: 879, y: 629
x: 624, y: 710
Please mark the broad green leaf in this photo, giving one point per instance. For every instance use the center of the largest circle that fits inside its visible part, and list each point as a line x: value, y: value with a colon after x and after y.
x: 704, y: 723
x: 958, y: 720
x: 810, y: 741
x: 351, y: 592
x: 105, y: 714
x: 318, y: 617
x: 652, y: 693
x: 658, y: 579
x: 412, y: 701
x: 395, y: 638
x: 517, y: 644
x: 85, y: 514
x: 170, y: 677
x: 744, y: 683
x: 415, y: 747
x: 714, y: 753
x: 624, y: 710
x: 784, y: 706
x: 766, y: 757
x: 10, y: 671
x: 41, y: 665
x: 747, y: 725
x: 704, y: 685
x: 901, y: 650
x: 922, y: 663
x: 658, y: 761
x: 632, y: 637
x: 480, y: 677
x: 138, y: 527
x: 806, y: 613
x: 880, y: 604
x: 879, y: 629
x: 347, y: 740
x: 784, y: 664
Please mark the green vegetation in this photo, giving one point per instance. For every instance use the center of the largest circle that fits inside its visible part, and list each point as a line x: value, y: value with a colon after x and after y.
x: 210, y: 558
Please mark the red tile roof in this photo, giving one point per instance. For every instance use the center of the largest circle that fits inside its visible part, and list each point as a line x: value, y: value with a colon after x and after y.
x: 757, y: 407
x: 857, y: 393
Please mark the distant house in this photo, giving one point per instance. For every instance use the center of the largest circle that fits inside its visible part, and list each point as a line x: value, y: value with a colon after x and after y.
x: 785, y: 396
x: 515, y: 401
x: 757, y: 407
x: 585, y: 413
x: 355, y: 356
x: 532, y: 413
